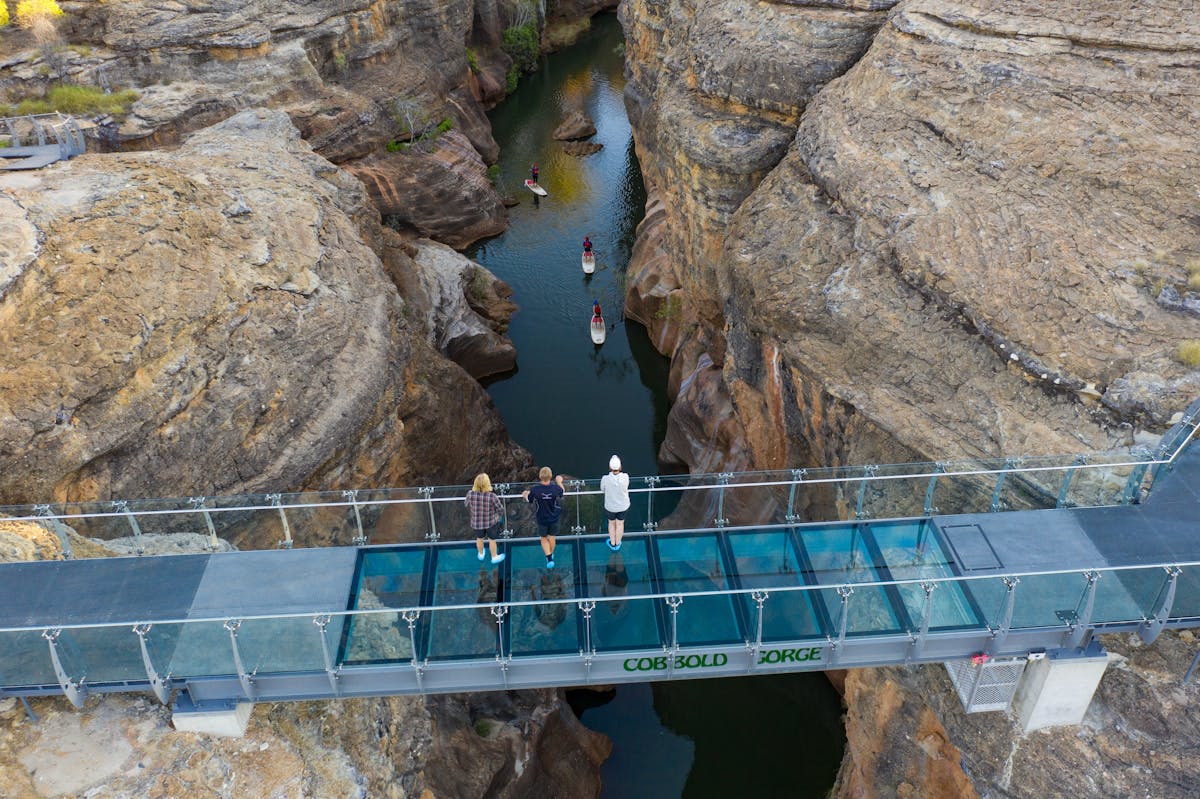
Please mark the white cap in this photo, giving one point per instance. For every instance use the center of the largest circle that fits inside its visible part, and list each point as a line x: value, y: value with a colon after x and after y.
x: 614, y: 463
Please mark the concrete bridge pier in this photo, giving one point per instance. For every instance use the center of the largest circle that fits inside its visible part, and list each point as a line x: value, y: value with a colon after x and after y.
x: 1057, y: 688
x: 226, y: 719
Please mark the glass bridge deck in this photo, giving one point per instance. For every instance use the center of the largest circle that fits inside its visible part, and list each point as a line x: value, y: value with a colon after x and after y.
x: 376, y: 619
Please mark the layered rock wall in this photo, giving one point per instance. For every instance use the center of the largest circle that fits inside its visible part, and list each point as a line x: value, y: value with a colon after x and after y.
x: 214, y: 320
x: 925, y: 230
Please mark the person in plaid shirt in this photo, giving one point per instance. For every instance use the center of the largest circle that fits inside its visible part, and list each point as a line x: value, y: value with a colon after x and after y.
x: 485, y: 510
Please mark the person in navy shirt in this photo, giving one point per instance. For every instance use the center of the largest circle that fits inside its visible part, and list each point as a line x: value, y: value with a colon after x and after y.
x: 548, y: 500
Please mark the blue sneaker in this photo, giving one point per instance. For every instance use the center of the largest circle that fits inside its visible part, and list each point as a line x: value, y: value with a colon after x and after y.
x: 498, y: 558
x: 616, y: 548
x: 550, y: 563
x: 480, y: 554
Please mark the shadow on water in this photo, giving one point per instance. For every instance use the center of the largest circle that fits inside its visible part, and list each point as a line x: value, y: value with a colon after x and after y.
x: 573, y: 403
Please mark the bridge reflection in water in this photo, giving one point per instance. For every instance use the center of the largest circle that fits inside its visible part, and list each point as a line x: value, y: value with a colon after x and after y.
x: 1035, y: 555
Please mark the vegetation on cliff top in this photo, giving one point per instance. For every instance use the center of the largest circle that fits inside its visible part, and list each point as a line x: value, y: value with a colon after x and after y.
x: 71, y: 99
x: 81, y: 100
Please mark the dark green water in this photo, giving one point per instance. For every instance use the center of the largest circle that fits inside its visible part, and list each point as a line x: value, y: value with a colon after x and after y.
x: 573, y: 404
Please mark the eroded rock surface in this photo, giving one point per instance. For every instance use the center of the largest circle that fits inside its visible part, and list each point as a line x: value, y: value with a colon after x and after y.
x: 524, y: 744
x: 884, y: 232
x: 467, y: 310
x: 353, y: 76
x: 218, y: 320
x: 907, y: 734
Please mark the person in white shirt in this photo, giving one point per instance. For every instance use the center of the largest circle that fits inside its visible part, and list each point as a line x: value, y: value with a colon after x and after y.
x: 615, y: 486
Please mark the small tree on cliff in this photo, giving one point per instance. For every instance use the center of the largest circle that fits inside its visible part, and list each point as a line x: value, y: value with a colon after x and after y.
x: 3, y: 13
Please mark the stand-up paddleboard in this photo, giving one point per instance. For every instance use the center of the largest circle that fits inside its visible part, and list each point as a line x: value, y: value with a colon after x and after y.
x: 597, y: 329
x: 589, y: 262
x: 535, y: 188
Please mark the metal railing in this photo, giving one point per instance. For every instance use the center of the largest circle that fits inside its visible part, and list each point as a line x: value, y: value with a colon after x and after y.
x: 1144, y: 598
x: 362, y: 516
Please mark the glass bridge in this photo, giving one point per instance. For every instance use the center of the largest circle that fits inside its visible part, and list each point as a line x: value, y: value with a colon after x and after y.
x: 380, y: 592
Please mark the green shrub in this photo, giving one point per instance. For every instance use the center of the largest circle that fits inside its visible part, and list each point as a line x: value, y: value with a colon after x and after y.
x: 522, y: 45
x: 1189, y: 352
x: 81, y: 100
x: 512, y: 79
x: 472, y: 61
x: 483, y: 728
x: 397, y: 146
x: 446, y: 125
x: 493, y: 173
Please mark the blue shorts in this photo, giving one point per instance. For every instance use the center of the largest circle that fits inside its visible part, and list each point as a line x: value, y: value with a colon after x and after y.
x: 547, y: 529
x: 615, y: 515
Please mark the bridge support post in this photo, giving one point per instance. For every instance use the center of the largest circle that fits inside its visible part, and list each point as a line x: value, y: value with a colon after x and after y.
x: 576, y: 486
x: 650, y: 525
x: 277, y: 501
x: 160, y: 685
x: 1055, y: 690
x: 588, y: 652
x: 224, y: 719
x: 361, y: 537
x: 797, y: 477
x: 427, y: 492
x: 198, y: 503
x: 760, y: 598
x: 76, y: 691
x: 1150, y: 628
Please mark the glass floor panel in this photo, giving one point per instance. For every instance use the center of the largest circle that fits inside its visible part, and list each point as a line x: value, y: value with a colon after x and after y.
x: 543, y: 629
x: 693, y: 563
x: 619, y: 623
x: 911, y: 551
x: 388, y: 578
x: 462, y: 579
x: 768, y: 560
x: 839, y: 555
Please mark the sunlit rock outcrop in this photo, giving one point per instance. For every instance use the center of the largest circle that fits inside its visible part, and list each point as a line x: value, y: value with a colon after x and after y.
x: 219, y: 320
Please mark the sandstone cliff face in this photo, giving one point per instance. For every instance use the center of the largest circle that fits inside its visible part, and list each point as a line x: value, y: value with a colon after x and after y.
x: 882, y: 232
x: 959, y: 239
x: 908, y: 735
x: 388, y: 748
x: 352, y: 75
x: 217, y: 320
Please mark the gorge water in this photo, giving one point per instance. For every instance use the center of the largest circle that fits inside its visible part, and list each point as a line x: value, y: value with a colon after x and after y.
x: 573, y: 404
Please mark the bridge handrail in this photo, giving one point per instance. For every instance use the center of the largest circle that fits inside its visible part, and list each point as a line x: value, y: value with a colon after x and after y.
x: 805, y: 480
x: 1167, y: 566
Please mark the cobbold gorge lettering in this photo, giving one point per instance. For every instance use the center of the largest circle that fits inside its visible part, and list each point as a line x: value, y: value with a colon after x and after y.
x: 715, y: 659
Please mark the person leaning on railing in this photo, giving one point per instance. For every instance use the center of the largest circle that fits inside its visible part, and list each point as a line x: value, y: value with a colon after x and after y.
x: 486, y: 509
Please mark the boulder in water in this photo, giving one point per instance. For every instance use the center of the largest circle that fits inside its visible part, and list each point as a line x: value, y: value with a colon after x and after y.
x: 577, y: 125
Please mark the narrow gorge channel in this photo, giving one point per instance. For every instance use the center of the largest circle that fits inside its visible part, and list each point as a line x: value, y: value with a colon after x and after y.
x: 573, y: 404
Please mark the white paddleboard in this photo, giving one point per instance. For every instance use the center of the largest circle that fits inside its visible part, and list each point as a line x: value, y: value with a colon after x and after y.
x: 597, y: 330
x: 589, y: 262
x: 535, y: 188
